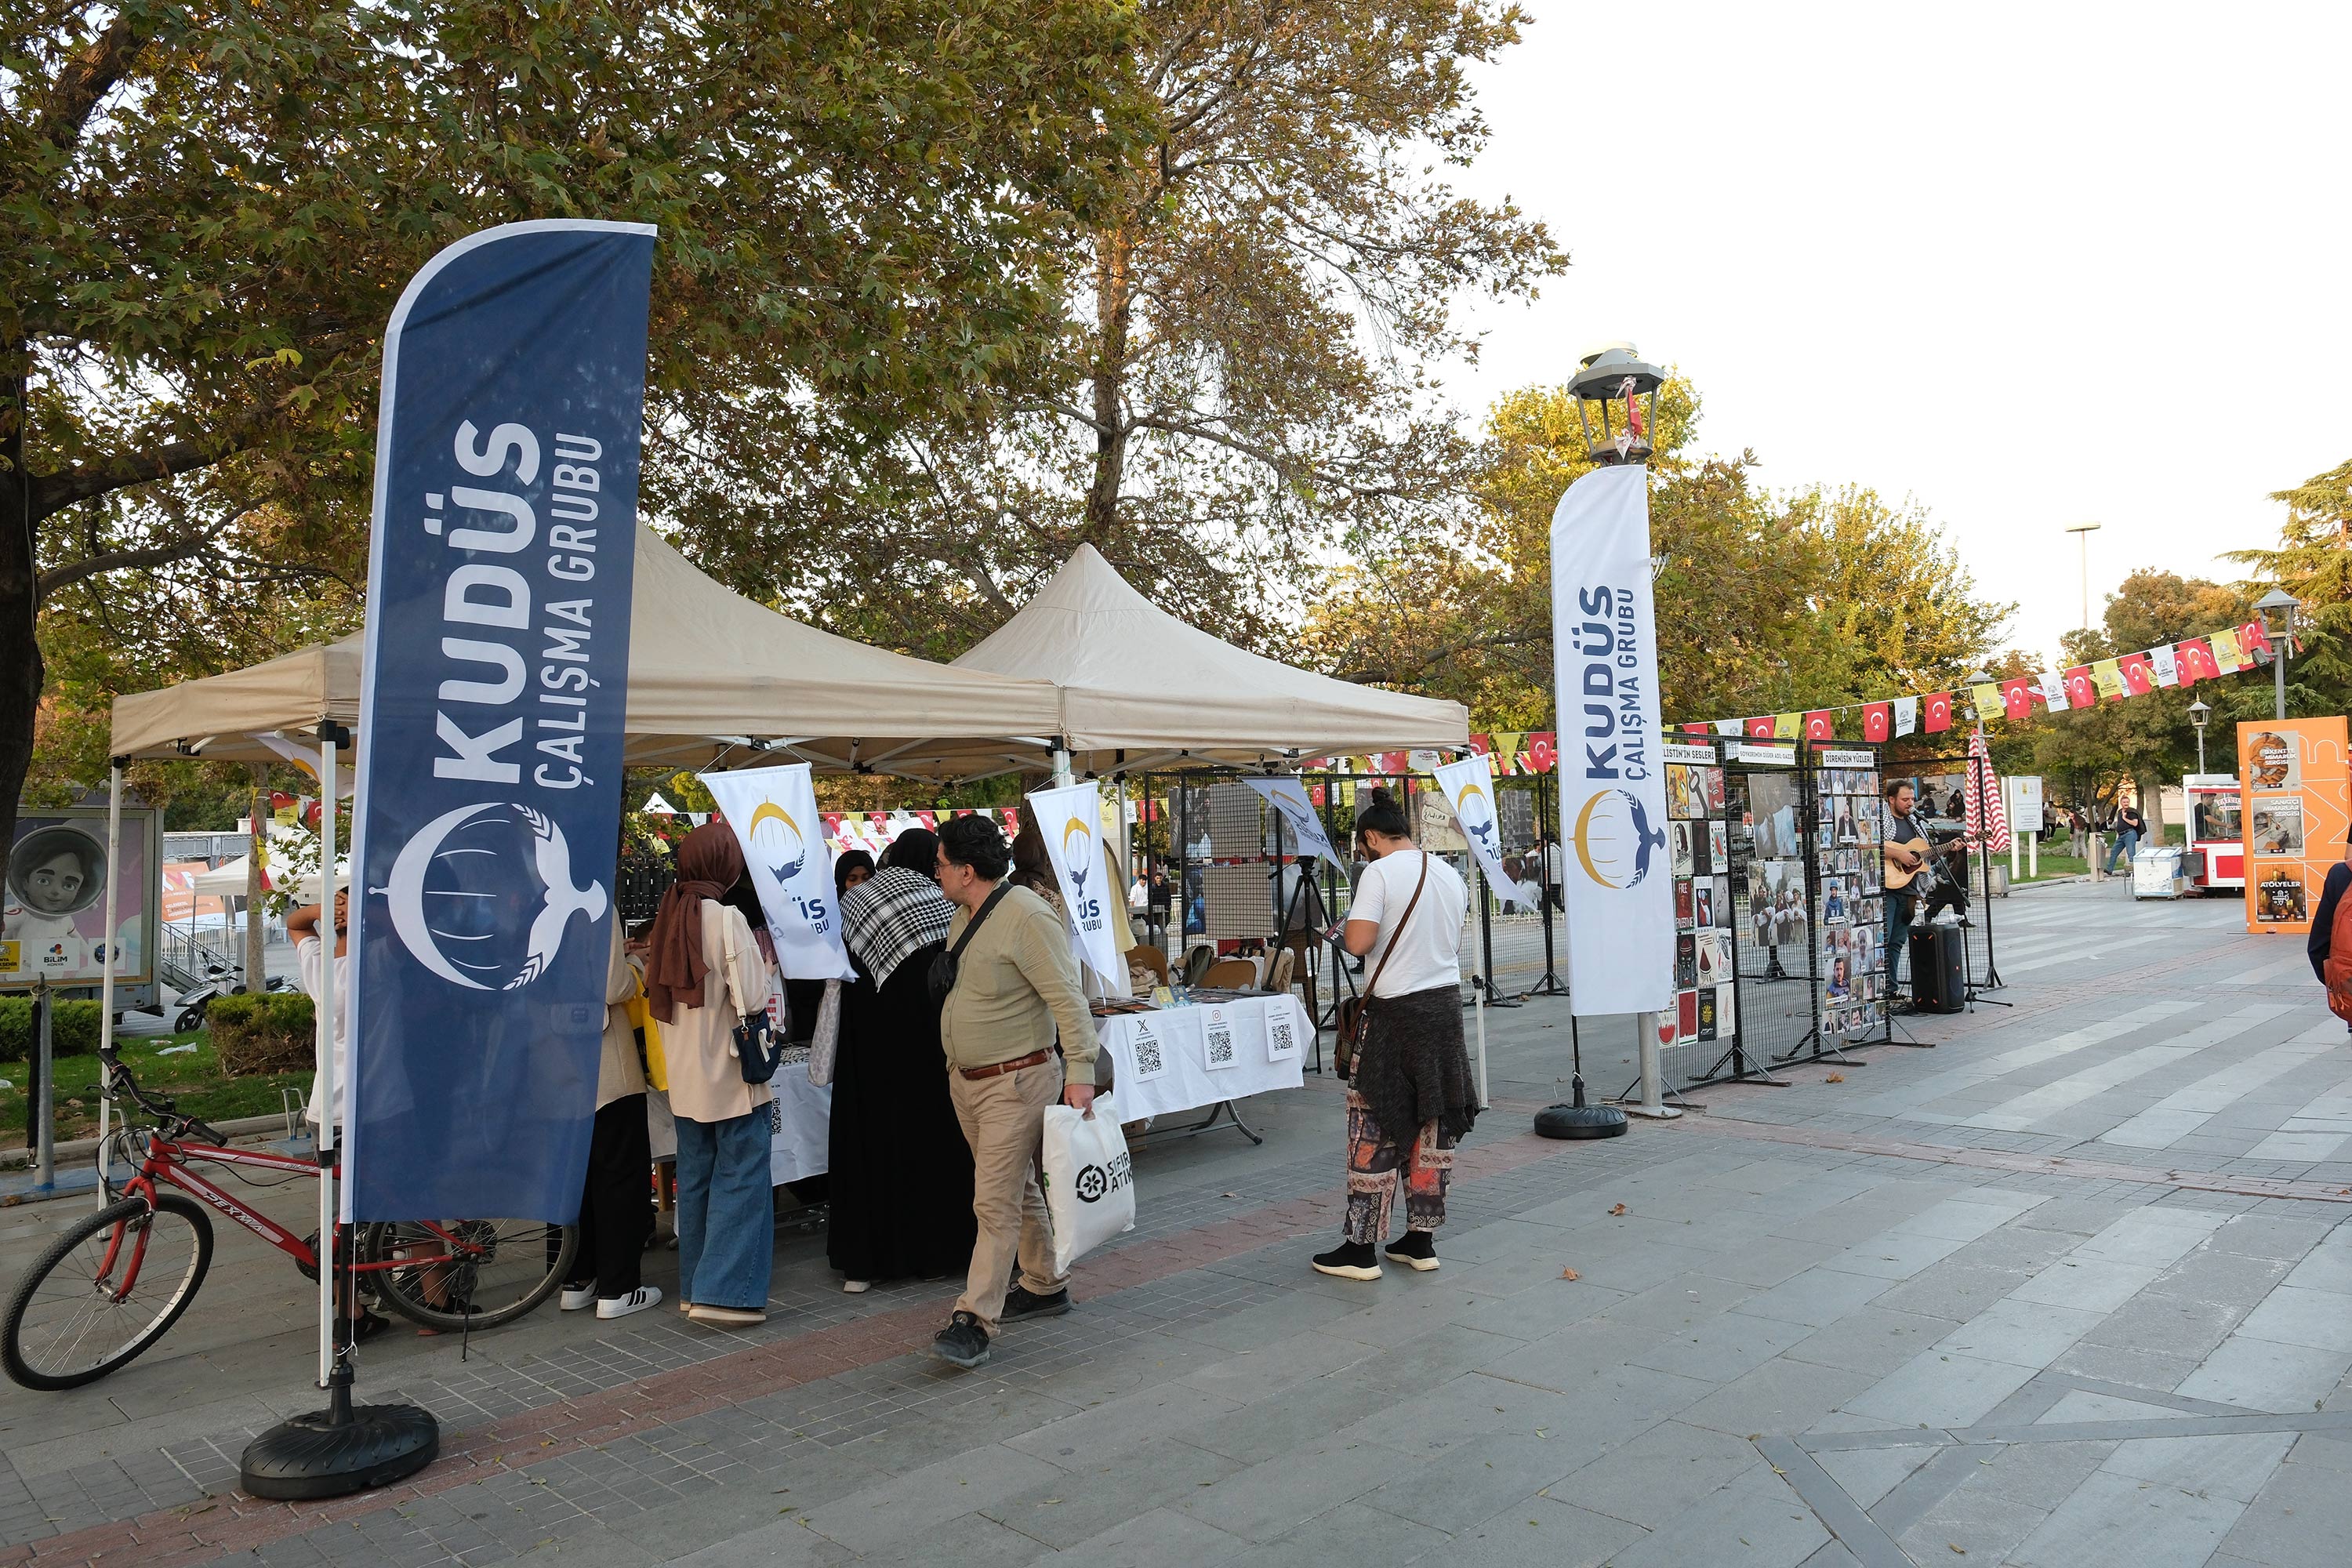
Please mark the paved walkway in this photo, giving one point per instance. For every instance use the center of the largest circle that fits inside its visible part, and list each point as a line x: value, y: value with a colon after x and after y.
x: 2069, y: 1289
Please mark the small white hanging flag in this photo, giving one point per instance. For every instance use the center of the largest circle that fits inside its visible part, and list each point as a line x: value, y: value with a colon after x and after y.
x: 2167, y: 672
x: 2053, y: 689
x: 1907, y: 715
x: 1729, y: 726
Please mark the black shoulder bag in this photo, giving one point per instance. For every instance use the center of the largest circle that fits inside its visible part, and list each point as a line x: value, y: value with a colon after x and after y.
x: 943, y: 967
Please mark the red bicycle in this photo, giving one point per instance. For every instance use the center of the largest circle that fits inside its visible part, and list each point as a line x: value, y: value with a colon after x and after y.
x: 117, y: 1281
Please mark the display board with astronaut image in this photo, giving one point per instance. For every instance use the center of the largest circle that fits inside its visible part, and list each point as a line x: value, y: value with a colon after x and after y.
x: 53, y: 902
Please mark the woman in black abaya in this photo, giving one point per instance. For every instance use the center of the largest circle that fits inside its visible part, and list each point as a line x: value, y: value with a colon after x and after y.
x: 902, y: 1168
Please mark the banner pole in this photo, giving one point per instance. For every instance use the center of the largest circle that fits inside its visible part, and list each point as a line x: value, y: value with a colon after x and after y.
x: 106, y: 985
x: 1484, y: 1099
x: 1653, y: 1097
x: 329, y: 1143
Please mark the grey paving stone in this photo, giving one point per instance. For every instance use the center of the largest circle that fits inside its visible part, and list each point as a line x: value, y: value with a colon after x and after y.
x: 1953, y: 1290
x: 2115, y: 1521
x: 1719, y: 1348
x: 1815, y: 1297
x: 1085, y: 1440
x: 1544, y: 1534
x: 2113, y: 1363
x: 910, y: 1504
x: 2091, y: 1284
x: 2295, y: 1316
x: 1467, y: 1483
x: 2041, y: 1474
x: 1780, y: 1397
x: 1162, y: 1538
x: 1475, y: 1404
x: 1867, y: 1475
x: 1154, y: 1471
x: 1870, y: 1341
x: 2264, y: 1374
x: 1938, y: 1388
x: 1273, y: 1496
x: 2167, y: 1325
x: 2022, y: 1333
x: 1755, y: 1520
x: 1970, y: 1525
x: 2233, y: 1467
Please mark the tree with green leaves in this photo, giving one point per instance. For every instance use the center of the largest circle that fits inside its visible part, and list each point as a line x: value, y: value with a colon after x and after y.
x: 1241, y: 393
x: 208, y: 208
x: 2313, y: 561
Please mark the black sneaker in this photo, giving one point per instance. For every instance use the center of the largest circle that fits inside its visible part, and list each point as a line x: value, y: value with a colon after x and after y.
x: 1349, y: 1260
x: 1022, y: 1302
x: 1417, y: 1250
x: 964, y: 1343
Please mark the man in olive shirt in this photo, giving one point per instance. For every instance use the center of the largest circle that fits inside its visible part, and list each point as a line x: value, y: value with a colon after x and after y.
x: 1016, y: 985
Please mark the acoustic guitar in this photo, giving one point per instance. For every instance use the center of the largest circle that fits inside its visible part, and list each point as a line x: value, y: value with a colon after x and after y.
x: 1899, y: 877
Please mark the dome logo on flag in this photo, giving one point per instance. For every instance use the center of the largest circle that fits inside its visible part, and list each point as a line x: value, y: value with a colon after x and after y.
x: 482, y: 895
x: 783, y: 847
x: 1615, y: 838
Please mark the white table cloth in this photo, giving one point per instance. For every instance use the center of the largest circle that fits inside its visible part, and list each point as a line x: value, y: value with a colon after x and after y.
x: 1181, y: 1059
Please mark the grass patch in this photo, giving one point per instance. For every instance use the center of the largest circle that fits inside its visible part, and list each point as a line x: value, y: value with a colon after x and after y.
x: 194, y: 1079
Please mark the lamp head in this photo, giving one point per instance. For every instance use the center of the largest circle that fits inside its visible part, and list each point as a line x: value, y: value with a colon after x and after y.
x: 1608, y: 379
x: 2200, y: 712
x: 2277, y: 610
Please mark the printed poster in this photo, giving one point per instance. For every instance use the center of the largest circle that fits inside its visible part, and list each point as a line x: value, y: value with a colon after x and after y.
x: 2296, y: 815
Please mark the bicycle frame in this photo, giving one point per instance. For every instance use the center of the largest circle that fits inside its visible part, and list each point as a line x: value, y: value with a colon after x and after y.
x: 164, y: 1164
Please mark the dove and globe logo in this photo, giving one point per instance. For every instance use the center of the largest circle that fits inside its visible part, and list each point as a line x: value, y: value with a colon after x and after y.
x: 782, y: 851
x: 1077, y: 857
x: 483, y: 896
x: 1614, y: 839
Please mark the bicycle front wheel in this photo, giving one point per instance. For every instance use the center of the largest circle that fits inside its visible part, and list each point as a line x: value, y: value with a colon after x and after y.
x: 105, y: 1290
x: 478, y: 1273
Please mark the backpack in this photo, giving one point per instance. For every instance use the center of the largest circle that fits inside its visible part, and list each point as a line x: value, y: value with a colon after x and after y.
x: 2337, y: 969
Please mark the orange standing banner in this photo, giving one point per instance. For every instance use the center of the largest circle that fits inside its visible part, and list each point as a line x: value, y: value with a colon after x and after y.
x: 2297, y: 810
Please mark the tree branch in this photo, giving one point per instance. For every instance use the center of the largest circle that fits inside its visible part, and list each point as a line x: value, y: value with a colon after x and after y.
x: 54, y: 492
x: 91, y: 76
x: 89, y: 566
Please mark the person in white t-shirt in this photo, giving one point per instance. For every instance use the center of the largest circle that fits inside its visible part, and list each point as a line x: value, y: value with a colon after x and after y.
x: 309, y: 962
x: 1411, y: 1097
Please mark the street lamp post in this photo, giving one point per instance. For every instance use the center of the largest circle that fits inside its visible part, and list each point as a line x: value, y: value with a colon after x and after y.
x: 2201, y: 713
x: 2082, y: 531
x: 2282, y: 605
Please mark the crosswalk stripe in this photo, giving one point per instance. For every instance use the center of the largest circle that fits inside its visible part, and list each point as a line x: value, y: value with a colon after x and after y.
x: 2184, y: 1110
x: 1906, y: 1100
x: 2050, y: 1099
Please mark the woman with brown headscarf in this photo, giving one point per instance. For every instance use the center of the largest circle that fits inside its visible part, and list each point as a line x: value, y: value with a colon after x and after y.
x: 704, y: 974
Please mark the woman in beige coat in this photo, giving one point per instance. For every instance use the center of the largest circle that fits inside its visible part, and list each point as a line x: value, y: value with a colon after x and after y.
x: 704, y: 974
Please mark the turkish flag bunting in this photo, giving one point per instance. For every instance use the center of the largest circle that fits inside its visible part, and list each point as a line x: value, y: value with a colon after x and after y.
x: 2255, y: 638
x: 2139, y: 677
x: 1817, y: 725
x: 2081, y: 690
x: 2196, y: 659
x: 1760, y: 727
x: 1877, y: 717
x: 1482, y: 745
x: 1702, y: 728
x: 2016, y: 700
x: 1939, y: 713
x: 1543, y: 750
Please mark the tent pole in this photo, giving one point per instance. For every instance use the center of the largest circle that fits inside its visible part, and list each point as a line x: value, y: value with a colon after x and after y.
x: 328, y: 1141
x: 1062, y: 779
x: 106, y: 985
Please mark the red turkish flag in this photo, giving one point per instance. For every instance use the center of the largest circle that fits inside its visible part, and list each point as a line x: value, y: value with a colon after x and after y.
x: 1877, y: 720
x: 2255, y: 638
x: 2081, y: 692
x: 2016, y: 703
x: 1483, y: 745
x: 1817, y: 725
x: 2139, y: 676
x: 2196, y: 660
x: 1543, y: 750
x: 1760, y: 727
x: 1701, y: 728
x: 1938, y: 708
x: 929, y: 819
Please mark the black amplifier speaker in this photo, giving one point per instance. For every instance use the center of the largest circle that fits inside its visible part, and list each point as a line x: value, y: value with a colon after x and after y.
x: 1939, y: 976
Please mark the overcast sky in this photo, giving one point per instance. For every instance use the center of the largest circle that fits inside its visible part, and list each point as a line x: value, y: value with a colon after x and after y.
x: 2032, y: 265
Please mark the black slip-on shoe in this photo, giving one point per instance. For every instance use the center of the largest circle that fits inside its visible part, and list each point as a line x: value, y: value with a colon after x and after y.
x: 1349, y: 1260
x: 1417, y: 1250
x: 1022, y: 1302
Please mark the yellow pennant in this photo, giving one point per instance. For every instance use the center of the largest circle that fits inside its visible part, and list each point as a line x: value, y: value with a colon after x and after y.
x: 1987, y: 700
x: 1788, y: 726
x: 2227, y: 653
x: 2108, y: 675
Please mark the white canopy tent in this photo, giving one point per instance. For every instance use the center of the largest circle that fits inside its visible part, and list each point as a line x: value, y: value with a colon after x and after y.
x: 712, y: 678
x: 1136, y: 679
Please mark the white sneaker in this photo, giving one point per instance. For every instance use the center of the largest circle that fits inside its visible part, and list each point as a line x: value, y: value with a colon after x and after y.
x: 636, y: 1300
x: 577, y: 1301
x: 857, y: 1287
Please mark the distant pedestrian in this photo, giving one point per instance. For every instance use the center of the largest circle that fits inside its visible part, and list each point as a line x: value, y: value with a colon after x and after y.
x: 2129, y: 825
x: 1551, y: 874
x: 1410, y: 1098
x: 2078, y: 833
x: 2322, y: 932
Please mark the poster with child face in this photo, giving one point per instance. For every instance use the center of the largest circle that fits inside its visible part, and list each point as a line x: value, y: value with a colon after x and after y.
x: 53, y: 902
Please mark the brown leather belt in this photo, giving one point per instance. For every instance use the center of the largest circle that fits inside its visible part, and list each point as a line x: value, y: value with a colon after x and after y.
x: 1034, y: 1059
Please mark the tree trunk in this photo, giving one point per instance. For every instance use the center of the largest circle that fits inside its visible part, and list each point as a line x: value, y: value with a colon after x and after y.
x: 1114, y: 307
x: 21, y: 672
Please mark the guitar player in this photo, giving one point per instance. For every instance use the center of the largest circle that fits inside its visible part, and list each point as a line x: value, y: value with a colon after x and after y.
x: 1901, y: 832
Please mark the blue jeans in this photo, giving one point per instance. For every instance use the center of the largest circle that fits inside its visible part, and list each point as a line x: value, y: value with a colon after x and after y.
x: 726, y: 1212
x: 2127, y: 842
x: 1899, y: 938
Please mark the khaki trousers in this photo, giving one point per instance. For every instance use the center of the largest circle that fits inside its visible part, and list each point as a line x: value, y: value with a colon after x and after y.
x: 1003, y: 1119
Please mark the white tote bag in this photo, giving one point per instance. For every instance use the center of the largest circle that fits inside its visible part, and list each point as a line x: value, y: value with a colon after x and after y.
x: 1089, y: 1182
